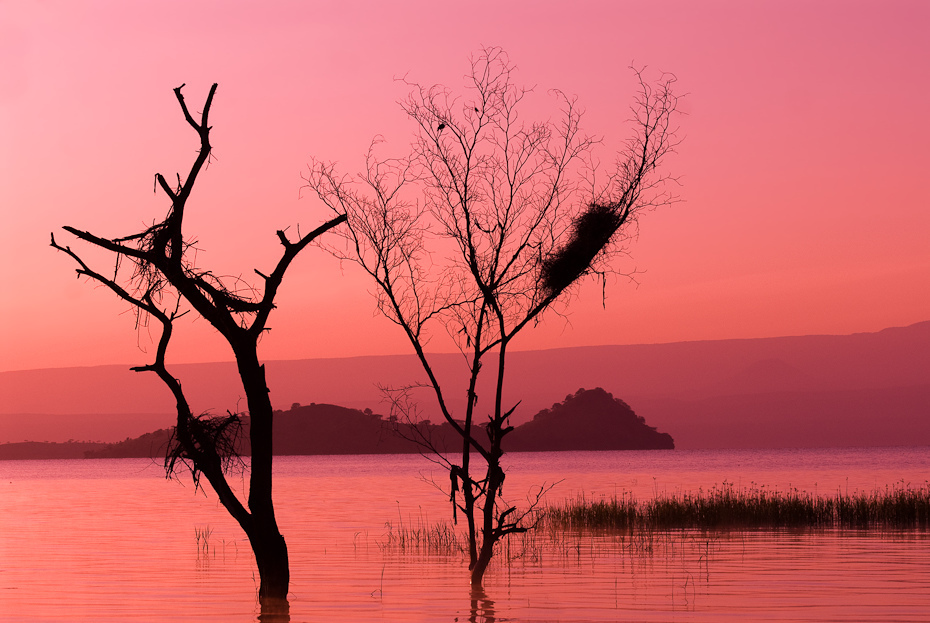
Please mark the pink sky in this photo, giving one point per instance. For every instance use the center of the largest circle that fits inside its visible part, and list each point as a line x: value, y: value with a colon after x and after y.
x: 804, y: 164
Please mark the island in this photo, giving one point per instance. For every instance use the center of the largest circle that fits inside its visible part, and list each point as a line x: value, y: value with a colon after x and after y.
x: 586, y: 420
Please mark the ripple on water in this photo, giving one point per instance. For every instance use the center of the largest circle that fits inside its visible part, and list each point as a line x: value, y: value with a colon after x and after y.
x: 112, y: 540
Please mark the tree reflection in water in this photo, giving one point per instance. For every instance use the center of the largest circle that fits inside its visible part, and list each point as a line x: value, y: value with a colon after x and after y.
x: 482, y: 608
x: 275, y: 611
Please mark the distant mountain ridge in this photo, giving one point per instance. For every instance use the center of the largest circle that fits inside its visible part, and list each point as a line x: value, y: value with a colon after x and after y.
x: 685, y: 387
x: 585, y: 420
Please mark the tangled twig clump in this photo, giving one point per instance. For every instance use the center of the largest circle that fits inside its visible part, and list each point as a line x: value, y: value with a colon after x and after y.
x: 592, y: 230
x: 211, y: 438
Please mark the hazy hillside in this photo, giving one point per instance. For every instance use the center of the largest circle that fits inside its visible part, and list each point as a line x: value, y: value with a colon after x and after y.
x: 587, y: 420
x: 104, y: 427
x: 46, y: 451
x: 685, y: 388
x: 898, y: 416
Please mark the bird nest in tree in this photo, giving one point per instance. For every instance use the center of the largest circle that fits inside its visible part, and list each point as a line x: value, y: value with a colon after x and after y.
x: 592, y: 230
x: 207, y: 440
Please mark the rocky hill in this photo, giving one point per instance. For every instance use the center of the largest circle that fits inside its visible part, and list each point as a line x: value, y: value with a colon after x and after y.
x: 588, y: 420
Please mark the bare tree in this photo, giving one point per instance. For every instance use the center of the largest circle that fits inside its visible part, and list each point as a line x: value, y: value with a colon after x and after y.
x: 155, y: 272
x: 487, y: 223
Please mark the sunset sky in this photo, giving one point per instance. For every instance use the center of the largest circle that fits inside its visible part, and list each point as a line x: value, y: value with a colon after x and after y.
x: 804, y: 164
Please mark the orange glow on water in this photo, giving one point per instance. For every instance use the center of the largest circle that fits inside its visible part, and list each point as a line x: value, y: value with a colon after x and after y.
x: 112, y: 540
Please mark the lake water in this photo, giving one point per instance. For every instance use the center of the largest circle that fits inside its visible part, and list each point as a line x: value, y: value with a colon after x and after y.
x: 112, y: 540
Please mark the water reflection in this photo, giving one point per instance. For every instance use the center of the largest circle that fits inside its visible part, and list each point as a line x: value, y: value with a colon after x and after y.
x: 59, y: 558
x: 482, y: 607
x: 275, y: 611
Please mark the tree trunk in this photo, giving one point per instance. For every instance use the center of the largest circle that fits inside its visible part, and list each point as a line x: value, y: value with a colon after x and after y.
x: 271, y: 558
x: 490, y: 535
x: 469, y: 498
x: 267, y: 542
x: 481, y: 565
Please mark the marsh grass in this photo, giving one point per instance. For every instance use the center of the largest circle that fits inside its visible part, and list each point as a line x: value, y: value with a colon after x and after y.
x: 419, y: 535
x: 726, y: 507
x: 681, y: 525
x: 444, y: 539
x: 203, y: 539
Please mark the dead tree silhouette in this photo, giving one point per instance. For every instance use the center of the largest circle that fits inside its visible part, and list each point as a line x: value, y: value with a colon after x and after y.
x: 485, y: 225
x: 156, y: 274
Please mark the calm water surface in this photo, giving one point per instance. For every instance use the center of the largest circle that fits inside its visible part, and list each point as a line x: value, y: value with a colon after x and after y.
x: 112, y: 540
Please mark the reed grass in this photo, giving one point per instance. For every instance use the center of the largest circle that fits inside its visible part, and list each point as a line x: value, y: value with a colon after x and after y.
x: 203, y: 539
x: 726, y: 507
x: 421, y: 535
x: 639, y: 527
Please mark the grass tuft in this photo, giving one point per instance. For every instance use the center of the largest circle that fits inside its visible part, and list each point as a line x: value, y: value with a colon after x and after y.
x: 422, y: 536
x: 726, y: 507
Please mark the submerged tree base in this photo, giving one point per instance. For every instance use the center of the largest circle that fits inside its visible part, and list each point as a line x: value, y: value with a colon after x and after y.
x: 725, y: 507
x: 274, y: 610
